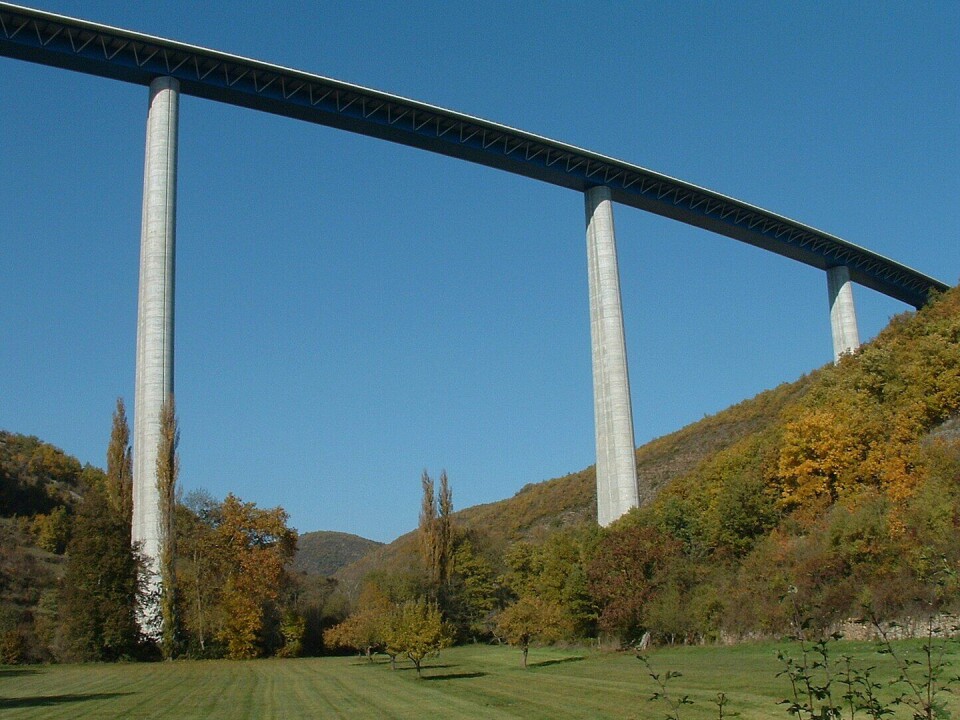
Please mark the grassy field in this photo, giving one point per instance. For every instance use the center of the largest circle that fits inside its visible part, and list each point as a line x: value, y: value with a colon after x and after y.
x: 467, y: 682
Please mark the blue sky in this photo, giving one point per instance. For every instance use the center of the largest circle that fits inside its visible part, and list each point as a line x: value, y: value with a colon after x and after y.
x: 350, y: 312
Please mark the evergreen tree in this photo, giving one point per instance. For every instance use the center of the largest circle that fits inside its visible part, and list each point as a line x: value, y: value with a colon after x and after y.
x: 100, y: 588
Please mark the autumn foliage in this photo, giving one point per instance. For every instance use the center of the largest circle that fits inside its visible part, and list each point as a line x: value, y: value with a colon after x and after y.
x: 849, y: 498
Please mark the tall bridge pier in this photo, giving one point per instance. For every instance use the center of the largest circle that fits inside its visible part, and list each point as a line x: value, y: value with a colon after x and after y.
x: 155, y: 326
x: 617, y: 489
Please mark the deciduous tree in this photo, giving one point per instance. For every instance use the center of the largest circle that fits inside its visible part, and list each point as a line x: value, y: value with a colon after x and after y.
x: 258, y: 545
x: 436, y: 531
x: 628, y: 568
x: 532, y: 618
x: 120, y: 464
x: 168, y: 468
x: 415, y: 629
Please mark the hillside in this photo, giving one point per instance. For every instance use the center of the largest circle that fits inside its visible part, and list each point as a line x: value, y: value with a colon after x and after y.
x: 40, y: 487
x: 541, y: 508
x: 324, y: 552
x: 842, y: 488
x: 36, y: 477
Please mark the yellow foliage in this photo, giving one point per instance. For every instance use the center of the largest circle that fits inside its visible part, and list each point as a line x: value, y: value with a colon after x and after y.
x: 818, y: 458
x: 258, y: 546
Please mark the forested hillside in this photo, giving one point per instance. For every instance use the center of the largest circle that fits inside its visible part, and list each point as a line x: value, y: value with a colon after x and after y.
x: 40, y: 490
x: 836, y: 496
x: 540, y: 509
x: 323, y: 552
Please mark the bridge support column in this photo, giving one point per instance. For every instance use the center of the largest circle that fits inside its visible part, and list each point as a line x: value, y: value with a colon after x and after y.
x: 616, y: 459
x: 843, y: 316
x: 154, y: 381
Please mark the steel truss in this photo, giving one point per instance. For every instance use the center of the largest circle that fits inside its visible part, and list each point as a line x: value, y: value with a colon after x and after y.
x: 82, y: 46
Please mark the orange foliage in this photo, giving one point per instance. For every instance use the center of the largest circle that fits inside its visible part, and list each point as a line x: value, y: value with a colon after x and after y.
x: 258, y: 546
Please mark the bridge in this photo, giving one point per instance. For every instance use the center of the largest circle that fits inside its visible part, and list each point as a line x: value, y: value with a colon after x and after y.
x: 169, y: 69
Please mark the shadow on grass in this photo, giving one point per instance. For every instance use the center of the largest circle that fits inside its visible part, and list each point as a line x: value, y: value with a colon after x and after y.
x: 454, y: 676
x: 405, y: 668
x: 50, y: 700
x: 17, y: 672
x: 558, y: 661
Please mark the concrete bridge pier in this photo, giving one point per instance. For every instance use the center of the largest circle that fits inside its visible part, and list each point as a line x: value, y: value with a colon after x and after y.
x: 154, y: 380
x: 843, y: 316
x: 617, y: 490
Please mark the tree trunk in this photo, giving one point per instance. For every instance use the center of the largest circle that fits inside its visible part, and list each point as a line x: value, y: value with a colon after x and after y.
x: 526, y: 649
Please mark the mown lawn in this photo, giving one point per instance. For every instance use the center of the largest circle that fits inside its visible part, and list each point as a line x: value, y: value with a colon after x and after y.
x: 468, y: 682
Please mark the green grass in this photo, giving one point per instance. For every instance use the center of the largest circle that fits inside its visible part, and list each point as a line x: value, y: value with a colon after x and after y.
x: 467, y: 682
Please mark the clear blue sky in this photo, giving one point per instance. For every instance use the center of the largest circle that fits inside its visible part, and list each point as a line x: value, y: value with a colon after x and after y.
x: 350, y: 312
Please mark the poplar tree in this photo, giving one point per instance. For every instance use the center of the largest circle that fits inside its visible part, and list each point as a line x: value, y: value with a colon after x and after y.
x: 168, y: 468
x: 444, y: 531
x: 427, y: 528
x: 436, y: 531
x: 120, y: 464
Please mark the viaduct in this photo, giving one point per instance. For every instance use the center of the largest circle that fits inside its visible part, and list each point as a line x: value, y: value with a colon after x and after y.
x: 171, y: 68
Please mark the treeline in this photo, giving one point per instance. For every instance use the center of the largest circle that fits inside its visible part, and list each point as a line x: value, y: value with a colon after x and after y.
x: 845, y: 505
x: 73, y: 589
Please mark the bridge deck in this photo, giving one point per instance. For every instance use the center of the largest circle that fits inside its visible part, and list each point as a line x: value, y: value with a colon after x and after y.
x: 59, y: 41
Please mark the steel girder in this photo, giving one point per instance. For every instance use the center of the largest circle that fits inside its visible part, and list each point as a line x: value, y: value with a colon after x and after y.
x: 59, y: 41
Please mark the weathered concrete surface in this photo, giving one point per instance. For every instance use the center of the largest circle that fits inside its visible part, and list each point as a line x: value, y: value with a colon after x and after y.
x: 154, y: 381
x: 843, y: 315
x: 616, y: 460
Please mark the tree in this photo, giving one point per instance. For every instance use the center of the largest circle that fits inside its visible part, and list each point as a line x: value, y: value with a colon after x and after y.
x: 257, y: 545
x: 293, y: 627
x: 473, y: 593
x: 168, y: 468
x: 53, y: 530
x: 120, y: 464
x: 444, y: 531
x: 426, y: 531
x: 436, y: 532
x: 100, y: 589
x: 361, y: 631
x: 364, y: 630
x: 415, y: 629
x: 627, y: 570
x: 556, y: 570
x: 200, y: 566
x: 532, y: 618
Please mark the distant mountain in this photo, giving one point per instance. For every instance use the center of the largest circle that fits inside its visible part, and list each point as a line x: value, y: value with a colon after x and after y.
x: 324, y: 552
